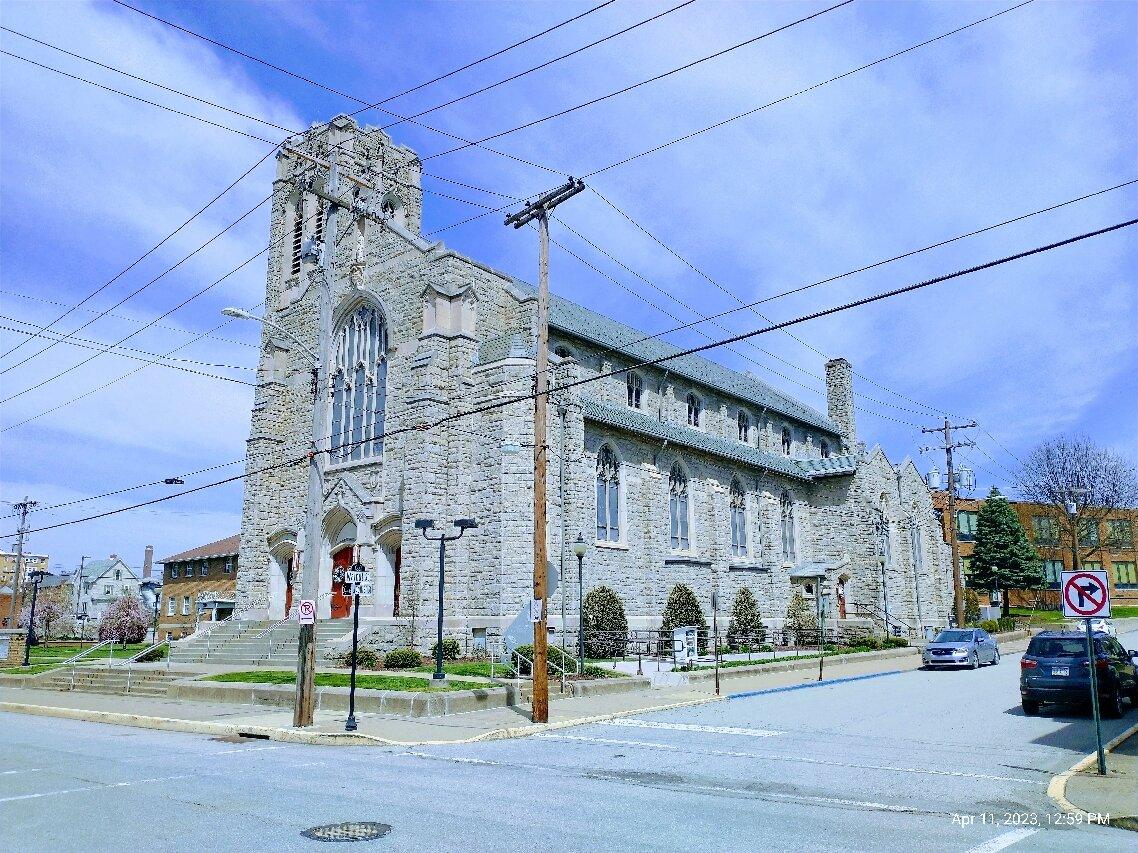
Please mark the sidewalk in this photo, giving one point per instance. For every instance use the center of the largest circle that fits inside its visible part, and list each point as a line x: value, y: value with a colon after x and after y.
x: 381, y: 729
x: 1115, y: 794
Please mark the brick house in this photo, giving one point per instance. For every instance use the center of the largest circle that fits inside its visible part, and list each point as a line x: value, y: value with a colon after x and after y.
x: 32, y: 562
x: 1116, y: 554
x: 199, y: 585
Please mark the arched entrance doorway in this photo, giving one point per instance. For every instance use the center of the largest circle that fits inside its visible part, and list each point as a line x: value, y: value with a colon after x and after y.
x: 840, y: 594
x: 341, y: 605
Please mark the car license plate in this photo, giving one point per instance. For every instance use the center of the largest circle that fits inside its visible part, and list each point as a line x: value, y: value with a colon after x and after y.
x: 1066, y: 670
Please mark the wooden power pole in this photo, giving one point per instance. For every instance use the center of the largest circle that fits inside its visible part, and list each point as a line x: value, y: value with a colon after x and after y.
x: 540, y: 210
x: 953, y: 540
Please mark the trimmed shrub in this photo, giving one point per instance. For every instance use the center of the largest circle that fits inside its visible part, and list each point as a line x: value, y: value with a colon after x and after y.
x: 1006, y: 623
x: 801, y: 621
x: 895, y: 642
x: 971, y: 607
x: 605, y: 625
x: 451, y: 649
x: 991, y: 626
x: 553, y: 657
x: 682, y: 609
x: 402, y: 659
x: 746, y: 626
x: 154, y: 654
x: 365, y: 659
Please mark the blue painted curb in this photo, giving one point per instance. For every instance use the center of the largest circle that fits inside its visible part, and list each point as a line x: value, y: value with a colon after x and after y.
x: 810, y: 684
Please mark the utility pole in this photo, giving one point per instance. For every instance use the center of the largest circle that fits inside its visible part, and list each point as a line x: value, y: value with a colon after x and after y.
x: 540, y: 210
x: 16, y: 602
x: 953, y: 542
x: 79, y: 584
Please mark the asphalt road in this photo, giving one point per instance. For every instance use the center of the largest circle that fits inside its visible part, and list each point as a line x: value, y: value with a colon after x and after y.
x: 906, y: 761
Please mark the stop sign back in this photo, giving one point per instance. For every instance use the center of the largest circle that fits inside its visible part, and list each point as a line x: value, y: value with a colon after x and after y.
x: 1086, y: 594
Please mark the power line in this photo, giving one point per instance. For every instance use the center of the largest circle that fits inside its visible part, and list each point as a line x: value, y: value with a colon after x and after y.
x: 629, y: 88
x: 811, y: 88
x: 545, y: 64
x: 134, y: 293
x: 640, y: 365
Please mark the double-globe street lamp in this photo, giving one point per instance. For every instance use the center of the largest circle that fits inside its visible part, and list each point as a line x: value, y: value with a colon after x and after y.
x: 425, y: 524
x: 580, y: 547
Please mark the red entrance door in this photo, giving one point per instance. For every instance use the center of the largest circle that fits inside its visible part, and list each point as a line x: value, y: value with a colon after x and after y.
x: 341, y: 604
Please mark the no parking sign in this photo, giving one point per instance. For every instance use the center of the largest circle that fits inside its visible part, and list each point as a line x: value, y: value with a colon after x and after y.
x: 1086, y: 594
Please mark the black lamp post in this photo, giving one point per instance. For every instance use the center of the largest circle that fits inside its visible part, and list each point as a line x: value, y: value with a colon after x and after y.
x: 425, y: 524
x: 36, y: 576
x: 358, y: 568
x: 579, y: 549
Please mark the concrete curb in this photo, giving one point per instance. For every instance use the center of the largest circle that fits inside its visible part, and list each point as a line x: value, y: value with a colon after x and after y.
x: 301, y: 736
x: 1057, y: 789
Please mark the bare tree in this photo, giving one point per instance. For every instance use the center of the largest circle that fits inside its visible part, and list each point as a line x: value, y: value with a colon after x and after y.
x: 1078, y: 485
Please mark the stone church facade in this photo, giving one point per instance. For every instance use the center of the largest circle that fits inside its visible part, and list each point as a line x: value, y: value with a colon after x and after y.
x: 683, y: 471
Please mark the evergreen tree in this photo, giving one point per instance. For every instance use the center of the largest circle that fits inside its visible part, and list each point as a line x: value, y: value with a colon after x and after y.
x: 746, y: 626
x: 1002, y: 557
x: 605, y: 623
x: 801, y: 621
x: 682, y: 609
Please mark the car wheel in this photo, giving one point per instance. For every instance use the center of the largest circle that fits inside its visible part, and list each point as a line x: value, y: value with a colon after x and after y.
x: 996, y: 658
x: 975, y: 660
x: 1113, y: 707
x: 1030, y: 707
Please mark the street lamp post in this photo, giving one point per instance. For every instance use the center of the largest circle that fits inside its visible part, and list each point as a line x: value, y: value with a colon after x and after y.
x: 35, y: 576
x: 425, y: 524
x: 305, y: 702
x: 579, y: 549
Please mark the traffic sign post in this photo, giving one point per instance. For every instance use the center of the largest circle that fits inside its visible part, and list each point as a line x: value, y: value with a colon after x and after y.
x: 1086, y: 595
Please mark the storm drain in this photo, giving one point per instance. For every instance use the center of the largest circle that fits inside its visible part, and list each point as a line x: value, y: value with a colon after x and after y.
x: 352, y: 831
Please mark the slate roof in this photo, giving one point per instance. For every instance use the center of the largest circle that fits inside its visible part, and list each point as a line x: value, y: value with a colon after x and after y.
x: 226, y: 547
x: 603, y: 331
x: 636, y: 421
x: 95, y: 569
x: 832, y: 467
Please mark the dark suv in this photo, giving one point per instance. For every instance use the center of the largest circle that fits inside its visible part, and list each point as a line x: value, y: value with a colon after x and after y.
x: 1054, y: 669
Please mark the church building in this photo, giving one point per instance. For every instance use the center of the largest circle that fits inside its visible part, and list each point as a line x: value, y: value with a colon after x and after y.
x: 680, y: 472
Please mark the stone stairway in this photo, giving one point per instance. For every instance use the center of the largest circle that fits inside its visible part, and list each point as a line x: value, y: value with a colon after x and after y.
x: 103, y: 679
x: 256, y: 643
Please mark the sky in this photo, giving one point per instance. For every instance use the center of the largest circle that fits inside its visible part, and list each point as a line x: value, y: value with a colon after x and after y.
x: 1018, y: 113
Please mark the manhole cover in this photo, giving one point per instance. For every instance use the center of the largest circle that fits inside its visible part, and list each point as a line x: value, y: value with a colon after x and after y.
x: 352, y: 831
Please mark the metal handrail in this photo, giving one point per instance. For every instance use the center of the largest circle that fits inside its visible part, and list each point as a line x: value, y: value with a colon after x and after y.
x: 71, y: 660
x: 129, y: 662
x: 270, y: 631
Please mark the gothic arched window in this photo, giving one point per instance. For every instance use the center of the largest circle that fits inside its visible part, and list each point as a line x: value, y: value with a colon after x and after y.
x: 695, y: 410
x: 738, y: 520
x: 608, y: 496
x: 786, y: 506
x: 359, y: 385
x: 678, y: 508
x: 744, y: 426
x: 786, y: 440
x: 635, y: 388
x: 917, y: 547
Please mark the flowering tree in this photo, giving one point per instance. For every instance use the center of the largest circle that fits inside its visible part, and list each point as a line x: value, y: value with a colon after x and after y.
x: 49, y: 614
x: 126, y: 621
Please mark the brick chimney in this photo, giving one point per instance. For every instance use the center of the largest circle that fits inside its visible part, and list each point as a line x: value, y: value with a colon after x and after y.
x: 148, y: 562
x: 839, y: 400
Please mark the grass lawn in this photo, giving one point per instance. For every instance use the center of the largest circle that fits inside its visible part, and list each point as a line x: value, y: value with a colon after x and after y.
x: 47, y: 654
x: 479, y: 668
x: 1055, y: 617
x: 34, y: 669
x: 784, y: 659
x: 404, y: 683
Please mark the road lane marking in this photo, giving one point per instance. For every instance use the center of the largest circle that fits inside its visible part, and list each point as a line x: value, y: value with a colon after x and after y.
x: 1005, y: 840
x: 825, y: 683
x: 14, y: 772
x: 246, y: 749
x: 793, y: 759
x: 689, y: 727
x: 105, y: 787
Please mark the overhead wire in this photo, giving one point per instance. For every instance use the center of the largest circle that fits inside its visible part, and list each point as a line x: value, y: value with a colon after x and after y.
x: 877, y: 297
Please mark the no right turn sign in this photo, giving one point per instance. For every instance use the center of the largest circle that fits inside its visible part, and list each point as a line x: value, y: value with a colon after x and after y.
x: 1086, y: 594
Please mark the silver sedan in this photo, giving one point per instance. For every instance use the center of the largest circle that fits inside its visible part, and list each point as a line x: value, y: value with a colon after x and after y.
x: 961, y: 647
